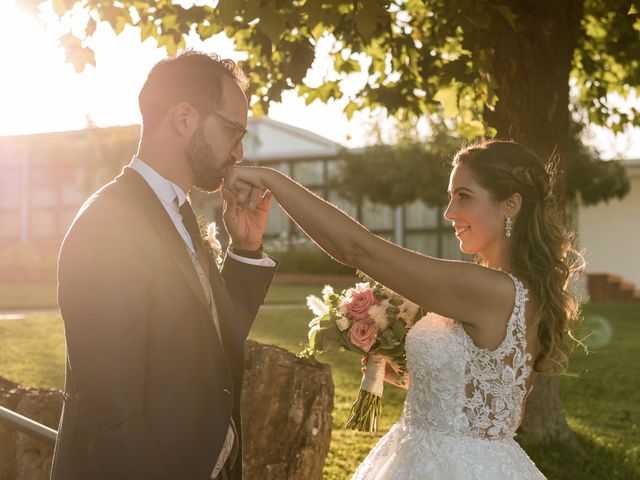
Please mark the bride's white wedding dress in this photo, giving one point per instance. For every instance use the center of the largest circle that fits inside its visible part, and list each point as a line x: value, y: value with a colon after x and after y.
x: 462, y: 408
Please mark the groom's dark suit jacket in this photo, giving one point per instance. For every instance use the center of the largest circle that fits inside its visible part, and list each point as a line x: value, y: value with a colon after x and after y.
x: 149, y: 388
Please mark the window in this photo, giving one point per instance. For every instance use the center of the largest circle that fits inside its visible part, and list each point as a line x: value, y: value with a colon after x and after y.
x: 66, y: 218
x: 281, y: 167
x: 10, y: 188
x: 9, y: 224
x: 278, y: 222
x: 376, y: 216
x: 43, y: 187
x: 420, y: 215
x: 451, y: 247
x: 426, y: 243
x: 309, y: 173
x: 72, y: 188
x: 43, y: 224
x: 343, y: 204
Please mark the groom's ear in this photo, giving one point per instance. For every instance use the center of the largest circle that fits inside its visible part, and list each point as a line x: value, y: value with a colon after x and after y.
x: 184, y: 119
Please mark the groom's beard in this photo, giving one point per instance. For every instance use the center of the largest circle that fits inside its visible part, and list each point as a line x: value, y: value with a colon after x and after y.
x: 202, y: 160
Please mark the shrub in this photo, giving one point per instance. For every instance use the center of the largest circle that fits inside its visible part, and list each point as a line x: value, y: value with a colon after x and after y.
x: 22, y: 263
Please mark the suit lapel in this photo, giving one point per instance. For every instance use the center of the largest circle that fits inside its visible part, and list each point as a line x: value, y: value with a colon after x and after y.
x: 224, y: 304
x: 165, y: 228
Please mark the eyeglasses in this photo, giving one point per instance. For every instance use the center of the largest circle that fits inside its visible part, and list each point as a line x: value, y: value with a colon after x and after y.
x: 226, y: 120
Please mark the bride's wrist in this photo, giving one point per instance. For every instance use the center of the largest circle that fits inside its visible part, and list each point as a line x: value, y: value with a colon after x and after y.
x: 267, y: 177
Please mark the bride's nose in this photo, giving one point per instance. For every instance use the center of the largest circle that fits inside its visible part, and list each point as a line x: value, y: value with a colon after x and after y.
x: 449, y: 213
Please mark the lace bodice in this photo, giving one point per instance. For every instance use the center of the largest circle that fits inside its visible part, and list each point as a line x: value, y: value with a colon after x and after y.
x: 462, y: 409
x: 459, y: 388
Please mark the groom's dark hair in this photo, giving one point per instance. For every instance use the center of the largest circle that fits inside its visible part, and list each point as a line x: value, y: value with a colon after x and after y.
x: 192, y: 77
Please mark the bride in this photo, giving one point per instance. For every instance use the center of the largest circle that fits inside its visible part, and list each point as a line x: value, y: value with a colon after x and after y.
x: 493, y: 325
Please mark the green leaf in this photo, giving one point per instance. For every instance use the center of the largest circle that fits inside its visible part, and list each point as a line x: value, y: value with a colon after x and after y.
x: 147, y: 29
x: 369, y: 15
x: 448, y: 97
x: 60, y: 7
x: 471, y: 130
x: 271, y: 25
x: 208, y: 31
x: 75, y: 53
x: 313, y: 335
x: 395, y: 301
x: 91, y: 27
x: 351, y: 108
x: 328, y: 324
x: 399, y: 330
x: 226, y: 11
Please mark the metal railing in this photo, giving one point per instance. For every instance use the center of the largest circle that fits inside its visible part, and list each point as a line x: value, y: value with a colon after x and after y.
x: 27, y: 426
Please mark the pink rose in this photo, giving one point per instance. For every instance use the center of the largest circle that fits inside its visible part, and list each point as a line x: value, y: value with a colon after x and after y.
x: 363, y: 333
x: 360, y: 303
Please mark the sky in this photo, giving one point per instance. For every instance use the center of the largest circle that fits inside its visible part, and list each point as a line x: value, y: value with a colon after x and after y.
x: 39, y: 92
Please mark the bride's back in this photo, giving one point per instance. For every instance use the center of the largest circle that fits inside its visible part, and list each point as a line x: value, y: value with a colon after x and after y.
x: 460, y: 388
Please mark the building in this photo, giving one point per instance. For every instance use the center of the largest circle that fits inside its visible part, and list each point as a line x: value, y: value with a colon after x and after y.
x: 45, y: 178
x: 608, y: 234
x: 314, y: 161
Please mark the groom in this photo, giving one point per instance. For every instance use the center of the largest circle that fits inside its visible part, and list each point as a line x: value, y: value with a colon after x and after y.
x: 155, y: 332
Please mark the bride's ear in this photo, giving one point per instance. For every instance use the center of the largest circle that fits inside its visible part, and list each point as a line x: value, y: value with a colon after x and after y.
x: 513, y: 204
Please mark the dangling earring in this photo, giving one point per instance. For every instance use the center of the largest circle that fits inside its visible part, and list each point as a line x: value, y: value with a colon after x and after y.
x: 507, y: 227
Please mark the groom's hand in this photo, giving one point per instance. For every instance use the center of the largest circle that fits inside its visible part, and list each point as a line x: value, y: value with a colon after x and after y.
x: 245, y: 215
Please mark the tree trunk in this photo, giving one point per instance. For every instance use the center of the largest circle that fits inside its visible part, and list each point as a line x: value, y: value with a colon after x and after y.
x: 532, y: 67
x: 544, y: 421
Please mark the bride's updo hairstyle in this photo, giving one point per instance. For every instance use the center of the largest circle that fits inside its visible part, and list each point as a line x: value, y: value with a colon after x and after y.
x: 542, y: 255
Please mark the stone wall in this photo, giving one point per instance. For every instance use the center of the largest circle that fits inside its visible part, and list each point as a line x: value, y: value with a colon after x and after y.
x: 286, y: 407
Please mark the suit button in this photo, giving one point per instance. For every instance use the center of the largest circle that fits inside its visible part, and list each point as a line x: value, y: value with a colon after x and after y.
x: 227, y: 391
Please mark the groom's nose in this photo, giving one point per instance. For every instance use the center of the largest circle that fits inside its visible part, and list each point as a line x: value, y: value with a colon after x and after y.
x: 237, y: 154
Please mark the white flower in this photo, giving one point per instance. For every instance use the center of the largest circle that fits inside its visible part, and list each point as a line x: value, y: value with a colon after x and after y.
x: 317, y: 306
x: 379, y: 315
x: 212, y: 238
x: 343, y: 323
x: 361, y: 287
x: 327, y: 291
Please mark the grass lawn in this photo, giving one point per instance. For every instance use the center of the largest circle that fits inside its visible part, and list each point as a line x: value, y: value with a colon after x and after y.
x: 27, y: 296
x: 37, y: 296
x: 601, y: 405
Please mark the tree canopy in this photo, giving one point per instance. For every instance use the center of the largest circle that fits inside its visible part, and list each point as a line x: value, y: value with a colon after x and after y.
x: 422, y: 56
x: 408, y: 171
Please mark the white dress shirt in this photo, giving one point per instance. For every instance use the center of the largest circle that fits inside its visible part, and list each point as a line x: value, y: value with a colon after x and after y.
x: 168, y: 192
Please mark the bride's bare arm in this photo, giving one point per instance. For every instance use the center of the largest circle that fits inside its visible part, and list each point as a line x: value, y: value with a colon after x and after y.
x: 467, y: 292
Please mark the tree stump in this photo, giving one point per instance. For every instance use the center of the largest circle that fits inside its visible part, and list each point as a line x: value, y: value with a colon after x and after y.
x: 21, y: 456
x: 286, y: 406
x: 286, y: 414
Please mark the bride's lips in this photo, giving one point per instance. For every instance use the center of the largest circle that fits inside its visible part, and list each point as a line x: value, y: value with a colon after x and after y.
x: 460, y: 230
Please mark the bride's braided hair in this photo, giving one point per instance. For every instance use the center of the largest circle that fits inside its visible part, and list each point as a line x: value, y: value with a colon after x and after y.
x: 542, y: 253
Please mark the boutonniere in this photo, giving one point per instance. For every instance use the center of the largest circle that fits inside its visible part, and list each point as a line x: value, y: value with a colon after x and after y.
x: 209, y: 234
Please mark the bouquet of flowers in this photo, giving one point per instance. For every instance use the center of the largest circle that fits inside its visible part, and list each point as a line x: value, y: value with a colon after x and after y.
x: 367, y: 319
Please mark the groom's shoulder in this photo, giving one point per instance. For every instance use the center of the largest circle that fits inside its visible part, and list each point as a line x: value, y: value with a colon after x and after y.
x: 111, y: 205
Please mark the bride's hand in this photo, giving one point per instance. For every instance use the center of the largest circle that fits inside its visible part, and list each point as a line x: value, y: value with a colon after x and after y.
x: 246, y: 183
x: 391, y: 372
